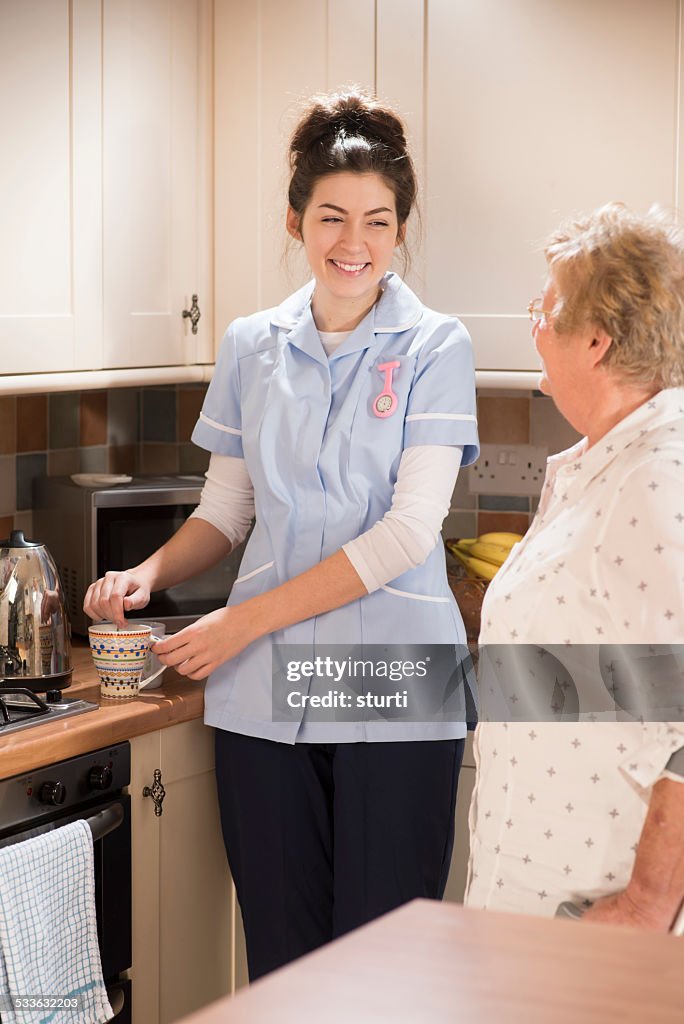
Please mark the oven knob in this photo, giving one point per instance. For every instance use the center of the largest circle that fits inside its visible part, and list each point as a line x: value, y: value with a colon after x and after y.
x: 100, y: 777
x: 52, y: 793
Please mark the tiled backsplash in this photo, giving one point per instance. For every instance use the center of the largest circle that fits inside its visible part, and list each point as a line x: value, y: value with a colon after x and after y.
x: 506, y: 418
x: 147, y: 430
x: 123, y: 430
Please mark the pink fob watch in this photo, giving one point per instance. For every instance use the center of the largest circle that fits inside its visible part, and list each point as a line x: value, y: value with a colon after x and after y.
x: 386, y: 402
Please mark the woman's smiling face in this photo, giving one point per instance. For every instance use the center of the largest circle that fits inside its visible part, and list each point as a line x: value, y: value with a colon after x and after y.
x: 350, y: 231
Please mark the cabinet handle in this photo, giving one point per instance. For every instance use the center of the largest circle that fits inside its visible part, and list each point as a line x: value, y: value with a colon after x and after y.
x: 193, y: 313
x: 157, y: 792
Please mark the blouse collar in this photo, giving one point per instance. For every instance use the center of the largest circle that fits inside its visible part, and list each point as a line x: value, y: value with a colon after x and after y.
x: 585, y: 463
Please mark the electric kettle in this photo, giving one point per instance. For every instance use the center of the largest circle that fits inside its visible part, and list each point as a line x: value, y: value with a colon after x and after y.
x: 35, y: 637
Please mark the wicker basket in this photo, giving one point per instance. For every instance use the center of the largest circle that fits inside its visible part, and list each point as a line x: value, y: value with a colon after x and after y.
x: 469, y: 594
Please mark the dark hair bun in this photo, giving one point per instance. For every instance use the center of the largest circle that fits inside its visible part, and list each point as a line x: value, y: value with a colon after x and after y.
x: 350, y: 131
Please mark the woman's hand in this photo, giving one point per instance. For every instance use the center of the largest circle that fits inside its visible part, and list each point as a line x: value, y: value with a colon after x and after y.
x: 201, y: 647
x: 654, y: 893
x: 624, y: 908
x: 116, y: 594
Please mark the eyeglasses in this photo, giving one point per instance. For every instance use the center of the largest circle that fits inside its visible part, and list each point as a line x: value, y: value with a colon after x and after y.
x: 535, y: 311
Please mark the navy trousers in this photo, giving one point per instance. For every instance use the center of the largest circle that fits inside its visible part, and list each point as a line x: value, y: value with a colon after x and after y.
x: 323, y: 837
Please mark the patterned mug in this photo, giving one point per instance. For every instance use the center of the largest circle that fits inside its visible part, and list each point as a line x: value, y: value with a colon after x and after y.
x: 120, y: 656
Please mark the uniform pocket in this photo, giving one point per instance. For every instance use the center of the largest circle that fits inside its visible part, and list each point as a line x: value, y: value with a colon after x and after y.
x: 252, y: 582
x: 416, y: 597
x: 392, y: 615
x: 254, y: 572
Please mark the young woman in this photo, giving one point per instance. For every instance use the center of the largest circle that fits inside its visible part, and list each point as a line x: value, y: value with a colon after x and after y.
x: 341, y: 419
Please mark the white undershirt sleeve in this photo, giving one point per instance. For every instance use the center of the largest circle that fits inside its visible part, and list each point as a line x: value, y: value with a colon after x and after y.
x: 227, y: 500
x: 408, y: 532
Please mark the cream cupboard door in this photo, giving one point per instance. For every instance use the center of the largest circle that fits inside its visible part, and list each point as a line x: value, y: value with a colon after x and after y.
x: 535, y: 111
x: 272, y: 55
x: 145, y: 843
x: 195, y: 887
x: 400, y: 81
x: 183, y: 896
x: 50, y: 186
x: 456, y: 882
x: 157, y: 186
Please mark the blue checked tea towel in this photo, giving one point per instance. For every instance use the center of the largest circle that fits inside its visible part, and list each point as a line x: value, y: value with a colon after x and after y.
x: 48, y: 929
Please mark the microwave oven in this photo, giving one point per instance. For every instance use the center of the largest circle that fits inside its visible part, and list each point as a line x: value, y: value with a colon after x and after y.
x: 90, y: 530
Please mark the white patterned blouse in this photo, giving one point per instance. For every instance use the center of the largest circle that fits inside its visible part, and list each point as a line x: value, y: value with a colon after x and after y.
x: 558, y: 807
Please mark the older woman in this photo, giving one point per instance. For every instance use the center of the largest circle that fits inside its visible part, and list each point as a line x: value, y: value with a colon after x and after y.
x: 582, y: 811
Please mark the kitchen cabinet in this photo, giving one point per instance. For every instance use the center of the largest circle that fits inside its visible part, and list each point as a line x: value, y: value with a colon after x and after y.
x: 184, y: 903
x: 519, y: 114
x: 459, y: 859
x: 241, y: 972
x: 534, y: 112
x: 273, y: 56
x: 156, y: 151
x: 400, y: 81
x: 509, y: 137
x: 50, y: 186
x: 105, y: 191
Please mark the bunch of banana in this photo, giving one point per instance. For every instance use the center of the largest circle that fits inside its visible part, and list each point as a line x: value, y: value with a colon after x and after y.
x: 483, y: 556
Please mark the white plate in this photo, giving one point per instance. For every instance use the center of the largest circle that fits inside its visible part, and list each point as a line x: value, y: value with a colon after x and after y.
x: 100, y: 479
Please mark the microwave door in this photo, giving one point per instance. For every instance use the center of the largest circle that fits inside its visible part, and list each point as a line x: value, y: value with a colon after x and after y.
x: 127, y: 536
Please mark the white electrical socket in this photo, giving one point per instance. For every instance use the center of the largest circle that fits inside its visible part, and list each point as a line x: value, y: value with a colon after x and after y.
x: 508, y: 469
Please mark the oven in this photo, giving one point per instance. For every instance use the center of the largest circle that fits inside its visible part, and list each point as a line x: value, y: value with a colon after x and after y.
x: 90, y: 787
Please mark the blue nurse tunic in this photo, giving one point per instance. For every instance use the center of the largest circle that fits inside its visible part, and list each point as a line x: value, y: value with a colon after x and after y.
x: 324, y: 466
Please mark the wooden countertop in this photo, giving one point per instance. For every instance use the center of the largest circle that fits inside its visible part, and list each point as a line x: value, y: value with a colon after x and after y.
x: 434, y: 962
x: 176, y: 700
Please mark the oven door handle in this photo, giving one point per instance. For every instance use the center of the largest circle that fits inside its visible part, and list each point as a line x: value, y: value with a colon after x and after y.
x: 104, y: 822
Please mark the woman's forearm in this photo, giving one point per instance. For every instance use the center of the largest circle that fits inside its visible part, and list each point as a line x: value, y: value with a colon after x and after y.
x: 658, y: 875
x: 327, y: 585
x: 201, y: 647
x: 196, y: 546
x: 402, y: 539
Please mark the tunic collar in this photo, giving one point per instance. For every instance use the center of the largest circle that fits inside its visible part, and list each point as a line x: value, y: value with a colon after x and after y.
x: 398, y: 309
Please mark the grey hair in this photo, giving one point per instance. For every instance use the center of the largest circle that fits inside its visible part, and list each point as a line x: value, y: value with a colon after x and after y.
x: 625, y: 275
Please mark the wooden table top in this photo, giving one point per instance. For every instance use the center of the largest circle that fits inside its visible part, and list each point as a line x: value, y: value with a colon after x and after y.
x: 432, y: 962
x: 176, y: 700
